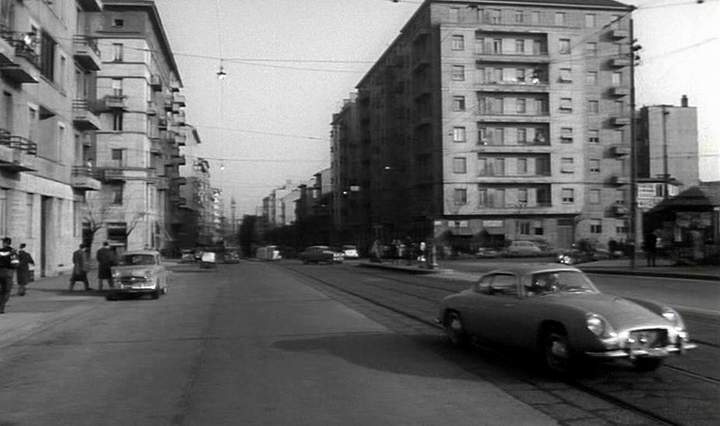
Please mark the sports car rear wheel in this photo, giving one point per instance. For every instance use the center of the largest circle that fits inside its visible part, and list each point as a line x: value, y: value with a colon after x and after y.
x: 455, y: 329
x: 556, y: 352
x: 647, y: 364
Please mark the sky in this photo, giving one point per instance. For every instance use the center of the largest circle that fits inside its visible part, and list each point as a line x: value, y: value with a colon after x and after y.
x: 290, y: 64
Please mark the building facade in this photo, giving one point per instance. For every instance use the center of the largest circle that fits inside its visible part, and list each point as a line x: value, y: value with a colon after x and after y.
x: 136, y: 151
x: 48, y: 66
x: 499, y: 120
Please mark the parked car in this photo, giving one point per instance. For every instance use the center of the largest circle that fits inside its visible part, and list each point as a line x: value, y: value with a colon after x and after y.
x: 523, y: 248
x: 187, y: 256
x: 575, y: 256
x: 350, y: 252
x: 486, y: 252
x: 138, y: 273
x: 317, y: 254
x: 559, y: 312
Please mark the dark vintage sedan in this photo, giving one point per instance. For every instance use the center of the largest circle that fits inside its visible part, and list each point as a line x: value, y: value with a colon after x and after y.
x: 318, y: 254
x: 138, y: 273
x: 558, y: 312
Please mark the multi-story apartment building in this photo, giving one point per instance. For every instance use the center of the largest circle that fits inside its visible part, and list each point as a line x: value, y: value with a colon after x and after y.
x: 668, y: 143
x: 137, y: 148
x: 500, y: 119
x: 47, y: 71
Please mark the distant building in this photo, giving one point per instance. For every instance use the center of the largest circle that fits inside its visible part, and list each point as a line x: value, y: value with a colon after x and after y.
x: 494, y: 120
x: 668, y: 137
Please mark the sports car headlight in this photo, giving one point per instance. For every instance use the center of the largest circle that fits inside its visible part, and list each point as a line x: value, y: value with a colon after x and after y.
x: 673, y: 317
x: 599, y: 325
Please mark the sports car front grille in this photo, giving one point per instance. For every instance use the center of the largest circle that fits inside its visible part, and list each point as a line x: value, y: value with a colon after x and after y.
x: 132, y: 280
x: 652, y: 338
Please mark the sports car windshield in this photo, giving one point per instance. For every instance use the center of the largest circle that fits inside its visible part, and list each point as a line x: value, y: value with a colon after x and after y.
x: 559, y: 282
x: 137, y: 259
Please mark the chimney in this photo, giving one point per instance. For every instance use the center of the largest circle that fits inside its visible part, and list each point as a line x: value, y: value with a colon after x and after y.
x: 684, y: 101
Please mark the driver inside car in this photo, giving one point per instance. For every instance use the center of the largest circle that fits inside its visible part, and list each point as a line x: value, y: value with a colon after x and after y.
x: 542, y: 284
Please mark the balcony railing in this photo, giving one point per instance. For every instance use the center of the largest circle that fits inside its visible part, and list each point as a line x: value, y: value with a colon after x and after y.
x: 84, y: 177
x: 17, y: 142
x: 14, y: 156
x: 620, y: 150
x: 115, y: 102
x: 86, y: 52
x: 84, y: 117
x: 155, y: 82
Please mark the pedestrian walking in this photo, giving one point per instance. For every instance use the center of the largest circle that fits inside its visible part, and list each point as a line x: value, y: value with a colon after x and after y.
x: 80, y: 268
x: 106, y: 260
x: 8, y: 264
x: 24, y: 276
x: 651, y: 248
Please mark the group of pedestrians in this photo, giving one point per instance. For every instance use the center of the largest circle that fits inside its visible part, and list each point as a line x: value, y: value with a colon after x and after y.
x: 13, y: 262
x: 106, y: 259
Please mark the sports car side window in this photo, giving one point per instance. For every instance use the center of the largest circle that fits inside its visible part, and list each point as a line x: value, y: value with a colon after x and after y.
x: 504, y: 284
x: 483, y: 285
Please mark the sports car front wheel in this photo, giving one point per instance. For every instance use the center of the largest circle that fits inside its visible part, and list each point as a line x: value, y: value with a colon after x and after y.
x: 455, y: 329
x: 556, y: 353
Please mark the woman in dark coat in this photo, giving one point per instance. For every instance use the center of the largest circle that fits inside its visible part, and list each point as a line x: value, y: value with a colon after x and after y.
x: 23, y: 271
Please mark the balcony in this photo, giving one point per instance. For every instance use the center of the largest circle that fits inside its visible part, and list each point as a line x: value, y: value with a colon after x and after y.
x: 86, y: 52
x: 162, y: 184
x: 121, y: 173
x: 620, y: 62
x: 111, y: 102
x: 155, y: 82
x: 540, y: 57
x: 619, y: 34
x: 178, y: 160
x: 178, y: 99
x: 83, y: 117
x: 515, y: 86
x: 179, y: 181
x: 180, y: 139
x: 618, y: 180
x: 91, y: 5
x: 620, y: 150
x: 500, y: 117
x: 619, y: 91
x: 168, y: 103
x: 162, y: 123
x: 16, y: 153
x: 175, y: 86
x: 179, y: 120
x: 620, y: 121
x: 83, y: 178
x: 10, y: 70
x: 489, y: 178
x: 619, y: 210
x: 151, y: 109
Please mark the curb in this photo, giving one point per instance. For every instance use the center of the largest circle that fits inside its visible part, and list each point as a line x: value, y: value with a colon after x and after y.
x: 409, y: 270
x: 680, y: 275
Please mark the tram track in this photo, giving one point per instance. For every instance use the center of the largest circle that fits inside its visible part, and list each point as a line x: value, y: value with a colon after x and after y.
x: 386, y: 301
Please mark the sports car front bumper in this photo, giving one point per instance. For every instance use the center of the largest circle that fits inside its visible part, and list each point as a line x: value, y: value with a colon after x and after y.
x: 653, y: 352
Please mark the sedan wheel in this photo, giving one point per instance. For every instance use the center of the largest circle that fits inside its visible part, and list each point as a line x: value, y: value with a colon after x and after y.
x: 455, y: 329
x: 556, y: 353
x: 647, y: 364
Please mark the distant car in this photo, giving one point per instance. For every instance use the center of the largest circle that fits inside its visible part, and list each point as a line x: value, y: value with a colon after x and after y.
x: 557, y: 311
x: 138, y: 273
x: 318, y: 254
x: 523, y: 248
x: 575, y: 256
x: 486, y: 252
x: 187, y: 256
x: 231, y: 256
x: 350, y: 252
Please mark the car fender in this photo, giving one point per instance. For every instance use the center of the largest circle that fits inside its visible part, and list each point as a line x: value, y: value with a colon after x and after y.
x: 571, y: 319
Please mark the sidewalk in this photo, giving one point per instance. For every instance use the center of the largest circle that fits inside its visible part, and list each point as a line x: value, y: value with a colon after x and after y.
x: 47, y: 302
x: 664, y: 268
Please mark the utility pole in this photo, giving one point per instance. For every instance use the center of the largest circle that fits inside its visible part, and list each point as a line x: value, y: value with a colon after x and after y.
x: 634, y: 234
x: 666, y: 175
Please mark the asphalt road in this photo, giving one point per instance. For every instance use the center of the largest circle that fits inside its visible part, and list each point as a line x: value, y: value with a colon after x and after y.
x: 243, y: 344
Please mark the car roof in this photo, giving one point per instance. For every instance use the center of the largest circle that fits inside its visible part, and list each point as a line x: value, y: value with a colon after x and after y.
x: 145, y: 252
x: 531, y: 268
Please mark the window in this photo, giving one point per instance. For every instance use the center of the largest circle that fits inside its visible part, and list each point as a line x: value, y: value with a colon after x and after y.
x: 497, y: 46
x: 591, y: 77
x: 593, y: 107
x: 117, y: 52
x: 520, y: 75
x: 542, y: 166
x: 591, y: 48
x: 566, y: 104
x: 535, y: 18
x: 458, y: 103
x: 47, y: 56
x: 519, y: 46
x: 619, y: 107
x: 116, y: 193
x: 537, y: 227
x: 540, y: 137
x: 117, y: 156
x: 460, y: 165
x: 564, y: 46
x: 522, y: 195
x: 482, y: 166
x: 568, y: 195
x: 482, y: 197
x: 460, y: 196
x: 594, y: 196
x: 559, y: 18
x: 458, y: 72
x: 594, y: 166
x: 61, y: 72
x: 498, y: 167
x: 594, y: 136
x: 29, y: 208
x: 118, y: 22
x: 566, y: 135
x: 622, y: 228
x: 596, y: 226
x: 616, y: 78
x: 521, y: 106
x: 519, y: 17
x: 498, y: 199
x: 494, y: 16
x: 521, y: 136
x: 117, y: 121
x: 3, y: 211
x: 589, y: 20
x: 454, y: 14
x: 117, y: 86
x: 567, y: 165
x: 565, y: 75
x: 522, y: 166
x: 504, y: 285
x: 458, y: 134
x: 523, y: 228
x: 458, y: 42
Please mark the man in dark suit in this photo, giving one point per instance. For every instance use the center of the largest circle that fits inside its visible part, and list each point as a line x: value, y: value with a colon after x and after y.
x: 80, y: 268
